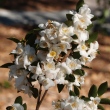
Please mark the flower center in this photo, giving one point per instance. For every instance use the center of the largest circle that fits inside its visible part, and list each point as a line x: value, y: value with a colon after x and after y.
x: 44, y: 82
x: 83, y: 47
x: 30, y: 58
x: 53, y: 53
x: 73, y: 105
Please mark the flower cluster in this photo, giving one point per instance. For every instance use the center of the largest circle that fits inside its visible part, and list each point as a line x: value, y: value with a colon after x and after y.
x: 75, y: 103
x: 56, y: 54
x: 60, y: 52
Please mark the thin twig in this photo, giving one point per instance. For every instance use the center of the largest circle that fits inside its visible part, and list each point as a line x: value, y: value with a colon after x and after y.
x: 38, y: 100
x: 43, y: 96
x: 68, y: 53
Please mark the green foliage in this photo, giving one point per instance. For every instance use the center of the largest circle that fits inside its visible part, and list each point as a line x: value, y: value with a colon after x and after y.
x: 79, y: 4
x: 92, y: 37
x: 6, y: 84
x: 6, y: 65
x: 93, y: 91
x: 105, y: 101
x: 71, y: 93
x: 70, y: 78
x: 69, y: 16
x: 60, y: 87
x: 89, y: 27
x: 85, y: 98
x: 25, y: 106
x: 102, y: 88
x: 69, y: 23
x: 76, y: 90
x: 79, y: 72
x: 87, y: 67
x: 76, y: 55
x: 34, y: 92
x: 14, y: 39
x: 100, y: 107
x: 19, y: 100
x: 30, y: 38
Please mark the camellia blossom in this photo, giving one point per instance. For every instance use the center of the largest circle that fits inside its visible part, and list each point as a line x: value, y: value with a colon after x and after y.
x: 17, y: 106
x: 56, y: 55
x: 75, y: 103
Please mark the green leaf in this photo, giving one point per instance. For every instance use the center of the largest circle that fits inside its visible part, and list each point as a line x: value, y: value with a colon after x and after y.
x: 6, y: 65
x: 34, y: 63
x: 76, y: 55
x: 25, y: 106
x: 30, y: 38
x: 18, y: 100
x: 69, y: 16
x: 60, y: 87
x: 102, y: 88
x: 71, y: 93
x: 100, y: 107
x: 89, y: 27
x: 70, y: 78
x: 14, y: 39
x: 94, y: 18
x: 76, y: 90
x: 34, y: 92
x: 79, y: 4
x: 9, y: 108
x: 93, y: 91
x: 92, y: 37
x: 74, y: 36
x: 85, y: 98
x: 79, y: 72
x: 105, y: 101
x: 86, y: 67
x: 69, y: 23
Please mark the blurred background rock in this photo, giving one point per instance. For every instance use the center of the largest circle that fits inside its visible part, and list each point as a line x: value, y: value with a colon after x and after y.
x: 18, y: 17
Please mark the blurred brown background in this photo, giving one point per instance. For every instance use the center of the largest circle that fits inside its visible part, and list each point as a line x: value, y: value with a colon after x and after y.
x: 101, y: 65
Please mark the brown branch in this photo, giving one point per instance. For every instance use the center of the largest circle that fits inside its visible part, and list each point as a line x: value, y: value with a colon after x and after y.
x: 38, y: 100
x: 65, y: 57
x: 43, y: 96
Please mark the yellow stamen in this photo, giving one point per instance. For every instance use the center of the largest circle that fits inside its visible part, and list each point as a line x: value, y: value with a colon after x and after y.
x: 53, y: 53
x: 73, y: 105
x: 30, y: 58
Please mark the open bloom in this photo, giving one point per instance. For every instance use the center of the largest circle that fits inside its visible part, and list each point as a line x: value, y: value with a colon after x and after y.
x: 17, y: 106
x: 19, y: 49
x: 83, y: 18
x: 46, y: 82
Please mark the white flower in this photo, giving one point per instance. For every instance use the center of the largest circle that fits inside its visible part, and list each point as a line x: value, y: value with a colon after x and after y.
x: 85, y: 59
x: 37, y: 70
x: 17, y: 106
x: 21, y: 80
x: 96, y: 100
x: 26, y: 89
x: 82, y: 35
x: 82, y: 48
x: 73, y: 64
x: 19, y: 49
x: 16, y: 71
x: 44, y: 43
x: 66, y: 31
x: 49, y: 70
x: 93, y: 50
x: 63, y: 46
x: 46, y: 82
x: 41, y: 55
x: 29, y: 55
x: 60, y: 77
x: 83, y: 18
